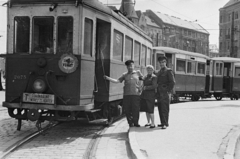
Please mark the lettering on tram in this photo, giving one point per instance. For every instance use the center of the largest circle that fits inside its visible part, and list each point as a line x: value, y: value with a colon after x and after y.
x: 19, y: 77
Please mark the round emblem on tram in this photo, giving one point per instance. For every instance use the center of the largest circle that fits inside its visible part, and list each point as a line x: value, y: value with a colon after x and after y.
x: 68, y: 63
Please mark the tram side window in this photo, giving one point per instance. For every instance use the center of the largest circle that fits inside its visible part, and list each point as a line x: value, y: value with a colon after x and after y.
x: 21, y: 34
x: 237, y: 71
x: 201, y: 68
x: 143, y: 55
x: 117, y: 46
x: 191, y: 67
x: 128, y: 48
x: 65, y: 35
x: 219, y: 68
x: 88, y: 33
x: 181, y: 65
x: 137, y: 53
x: 43, y: 34
x: 148, y: 60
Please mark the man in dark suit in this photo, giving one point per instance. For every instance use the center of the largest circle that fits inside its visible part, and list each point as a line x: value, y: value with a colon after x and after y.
x: 166, y: 82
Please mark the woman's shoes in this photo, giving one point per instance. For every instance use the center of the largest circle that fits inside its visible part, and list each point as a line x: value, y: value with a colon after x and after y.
x: 152, y: 126
x: 147, y: 125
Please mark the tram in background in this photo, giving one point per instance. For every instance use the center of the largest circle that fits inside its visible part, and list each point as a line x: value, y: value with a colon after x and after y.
x: 190, y: 71
x: 57, y: 54
x: 198, y: 75
x: 225, y: 80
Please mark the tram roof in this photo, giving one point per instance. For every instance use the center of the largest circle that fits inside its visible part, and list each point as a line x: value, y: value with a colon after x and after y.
x: 226, y: 59
x: 94, y: 4
x: 178, y: 51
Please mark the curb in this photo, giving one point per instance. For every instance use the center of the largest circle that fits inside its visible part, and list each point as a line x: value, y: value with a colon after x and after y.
x: 232, y: 145
x: 134, y: 144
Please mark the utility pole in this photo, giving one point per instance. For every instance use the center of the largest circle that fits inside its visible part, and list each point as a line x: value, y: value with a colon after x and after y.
x: 232, y: 54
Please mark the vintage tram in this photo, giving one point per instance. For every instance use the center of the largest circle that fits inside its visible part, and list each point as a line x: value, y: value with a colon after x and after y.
x: 57, y: 54
x: 190, y: 71
x: 225, y: 81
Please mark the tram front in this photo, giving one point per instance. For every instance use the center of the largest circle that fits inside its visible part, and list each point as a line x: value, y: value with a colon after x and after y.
x: 42, y: 62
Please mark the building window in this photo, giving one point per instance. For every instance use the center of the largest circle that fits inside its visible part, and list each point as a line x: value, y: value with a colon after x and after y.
x: 221, y: 19
x: 236, y: 15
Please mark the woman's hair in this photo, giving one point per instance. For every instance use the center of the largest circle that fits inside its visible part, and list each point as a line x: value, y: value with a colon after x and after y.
x: 150, y: 66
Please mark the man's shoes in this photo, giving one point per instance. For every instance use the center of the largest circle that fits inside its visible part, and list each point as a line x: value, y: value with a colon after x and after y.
x: 137, y: 125
x: 164, y: 127
x: 130, y: 125
x: 147, y: 125
x: 160, y: 125
x: 152, y: 126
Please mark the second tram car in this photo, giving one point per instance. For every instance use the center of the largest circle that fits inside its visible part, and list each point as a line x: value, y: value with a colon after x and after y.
x: 189, y: 69
x: 57, y: 54
x: 225, y: 77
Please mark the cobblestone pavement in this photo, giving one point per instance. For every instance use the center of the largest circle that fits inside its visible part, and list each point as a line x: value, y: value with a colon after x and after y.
x: 8, y: 128
x: 71, y: 140
x: 67, y: 140
x: 9, y: 133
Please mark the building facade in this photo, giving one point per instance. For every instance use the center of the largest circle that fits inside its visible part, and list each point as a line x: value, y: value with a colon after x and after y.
x: 229, y: 29
x: 179, y: 33
x: 213, y: 50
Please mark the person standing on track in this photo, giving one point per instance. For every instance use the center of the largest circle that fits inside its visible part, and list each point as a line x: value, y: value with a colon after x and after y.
x: 166, y: 82
x: 131, y: 93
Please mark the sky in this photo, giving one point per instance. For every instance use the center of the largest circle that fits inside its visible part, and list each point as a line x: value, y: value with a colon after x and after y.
x: 204, y: 12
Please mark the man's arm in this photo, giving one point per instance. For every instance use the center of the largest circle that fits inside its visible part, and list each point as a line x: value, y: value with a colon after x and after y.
x: 113, y: 80
x: 171, y: 80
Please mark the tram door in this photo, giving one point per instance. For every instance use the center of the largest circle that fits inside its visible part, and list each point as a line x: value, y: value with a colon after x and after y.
x: 102, y: 63
x: 227, y: 80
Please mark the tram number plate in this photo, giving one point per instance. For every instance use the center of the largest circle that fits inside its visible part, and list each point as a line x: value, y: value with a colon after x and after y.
x: 38, y: 98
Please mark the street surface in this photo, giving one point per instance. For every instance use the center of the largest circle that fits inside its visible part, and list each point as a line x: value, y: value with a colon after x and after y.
x: 198, y: 130
x: 68, y: 140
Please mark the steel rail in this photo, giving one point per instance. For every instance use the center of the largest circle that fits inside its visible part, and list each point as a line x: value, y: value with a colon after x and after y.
x: 25, y: 140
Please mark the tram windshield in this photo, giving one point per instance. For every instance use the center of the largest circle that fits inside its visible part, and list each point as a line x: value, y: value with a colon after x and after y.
x: 65, y: 35
x: 43, y: 34
x: 21, y: 34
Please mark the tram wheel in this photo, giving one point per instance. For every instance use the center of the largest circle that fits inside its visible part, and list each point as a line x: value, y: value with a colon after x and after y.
x: 218, y: 98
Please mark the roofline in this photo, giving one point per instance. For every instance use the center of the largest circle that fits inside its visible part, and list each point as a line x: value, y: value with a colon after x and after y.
x: 229, y: 5
x: 177, y: 51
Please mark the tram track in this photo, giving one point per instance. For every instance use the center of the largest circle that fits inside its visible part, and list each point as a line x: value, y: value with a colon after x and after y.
x: 25, y: 140
x: 90, y: 152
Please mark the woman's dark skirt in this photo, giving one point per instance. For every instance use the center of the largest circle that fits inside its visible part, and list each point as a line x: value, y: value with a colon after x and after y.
x: 147, y: 105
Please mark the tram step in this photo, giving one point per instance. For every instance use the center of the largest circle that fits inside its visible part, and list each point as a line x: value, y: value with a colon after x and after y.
x: 92, y: 110
x: 99, y: 121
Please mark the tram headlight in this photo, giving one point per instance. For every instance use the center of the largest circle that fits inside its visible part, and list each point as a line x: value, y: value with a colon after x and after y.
x: 39, y: 85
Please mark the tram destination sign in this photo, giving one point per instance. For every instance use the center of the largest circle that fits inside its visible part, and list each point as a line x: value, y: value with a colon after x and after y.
x: 38, y: 98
